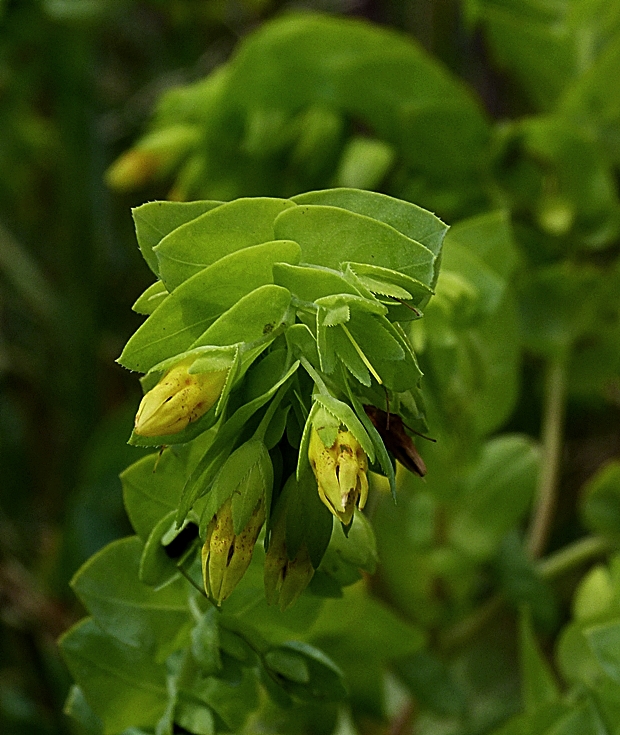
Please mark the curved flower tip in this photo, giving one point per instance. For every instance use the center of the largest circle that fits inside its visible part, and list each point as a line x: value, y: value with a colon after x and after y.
x: 226, y: 556
x: 179, y: 398
x: 341, y: 473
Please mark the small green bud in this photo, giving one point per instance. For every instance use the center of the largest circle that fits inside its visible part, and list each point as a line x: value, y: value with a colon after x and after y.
x: 226, y: 556
x: 179, y: 398
x: 340, y: 471
x: 285, y: 579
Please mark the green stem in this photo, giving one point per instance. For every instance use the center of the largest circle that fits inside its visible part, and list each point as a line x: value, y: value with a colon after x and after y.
x: 573, y: 555
x: 552, y: 425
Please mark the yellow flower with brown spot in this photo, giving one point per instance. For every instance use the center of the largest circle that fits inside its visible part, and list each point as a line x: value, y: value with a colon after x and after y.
x: 226, y: 555
x: 178, y: 399
x: 341, y: 473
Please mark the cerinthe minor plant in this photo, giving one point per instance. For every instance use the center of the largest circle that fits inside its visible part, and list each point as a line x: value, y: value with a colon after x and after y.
x: 273, y: 360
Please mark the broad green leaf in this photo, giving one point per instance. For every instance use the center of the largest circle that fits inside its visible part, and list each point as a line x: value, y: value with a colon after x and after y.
x: 224, y: 230
x: 490, y: 237
x: 191, y: 308
x: 310, y: 283
x: 156, y: 567
x: 364, y: 163
x: 137, y: 615
x: 78, y: 708
x: 600, y: 508
x: 409, y: 219
x: 329, y: 236
x: 604, y: 641
x: 254, y: 317
x: 122, y: 684
x: 432, y: 683
x: 595, y: 597
x: 287, y: 664
x: 366, y: 625
x: 206, y: 642
x: 496, y: 493
x: 347, y: 555
x: 155, y: 220
x: 307, y: 519
x: 324, y: 679
x: 150, y: 299
x: 538, y: 684
x: 152, y: 486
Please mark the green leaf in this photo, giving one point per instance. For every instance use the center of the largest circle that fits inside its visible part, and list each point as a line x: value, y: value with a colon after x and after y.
x: 224, y: 230
x: 108, y: 586
x: 310, y: 283
x: 191, y: 308
x: 600, y: 508
x: 156, y: 567
x: 151, y: 298
x: 538, y: 684
x: 432, y: 683
x: 152, y: 486
x: 257, y: 316
x: 346, y: 555
x: 206, y: 642
x: 155, y: 220
x: 410, y: 220
x: 604, y: 642
x: 305, y: 672
x: 287, y: 664
x: 329, y: 236
x: 77, y: 707
x: 496, y: 493
x: 122, y: 684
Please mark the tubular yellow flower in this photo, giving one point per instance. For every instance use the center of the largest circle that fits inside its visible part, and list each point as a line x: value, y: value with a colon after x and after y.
x: 178, y: 399
x: 226, y: 556
x: 285, y: 579
x: 340, y: 472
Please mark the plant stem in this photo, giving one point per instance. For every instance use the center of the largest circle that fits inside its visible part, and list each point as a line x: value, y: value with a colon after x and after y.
x: 573, y: 555
x: 552, y: 425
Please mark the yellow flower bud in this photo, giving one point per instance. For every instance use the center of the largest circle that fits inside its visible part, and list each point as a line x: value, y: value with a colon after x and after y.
x: 285, y: 579
x: 226, y: 556
x: 179, y: 398
x: 340, y: 472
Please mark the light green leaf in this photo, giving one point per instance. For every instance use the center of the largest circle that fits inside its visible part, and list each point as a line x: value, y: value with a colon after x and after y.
x: 604, y: 642
x: 155, y: 220
x: 600, y: 508
x: 151, y: 298
x: 496, y: 493
x: 191, y: 308
x: 122, y: 684
x: 409, y: 219
x: 257, y: 316
x: 538, y: 685
x: 224, y: 230
x: 329, y: 236
x: 137, y: 615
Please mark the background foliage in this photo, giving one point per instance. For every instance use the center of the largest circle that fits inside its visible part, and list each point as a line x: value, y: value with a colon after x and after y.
x: 508, y: 130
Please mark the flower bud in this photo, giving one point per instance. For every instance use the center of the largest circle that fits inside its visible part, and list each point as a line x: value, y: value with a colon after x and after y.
x: 226, y: 556
x: 179, y: 398
x: 285, y: 579
x: 340, y: 471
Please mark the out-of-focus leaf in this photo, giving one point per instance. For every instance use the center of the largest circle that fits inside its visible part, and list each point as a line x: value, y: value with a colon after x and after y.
x: 600, y: 508
x: 122, y: 684
x: 496, y: 493
x: 539, y: 686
